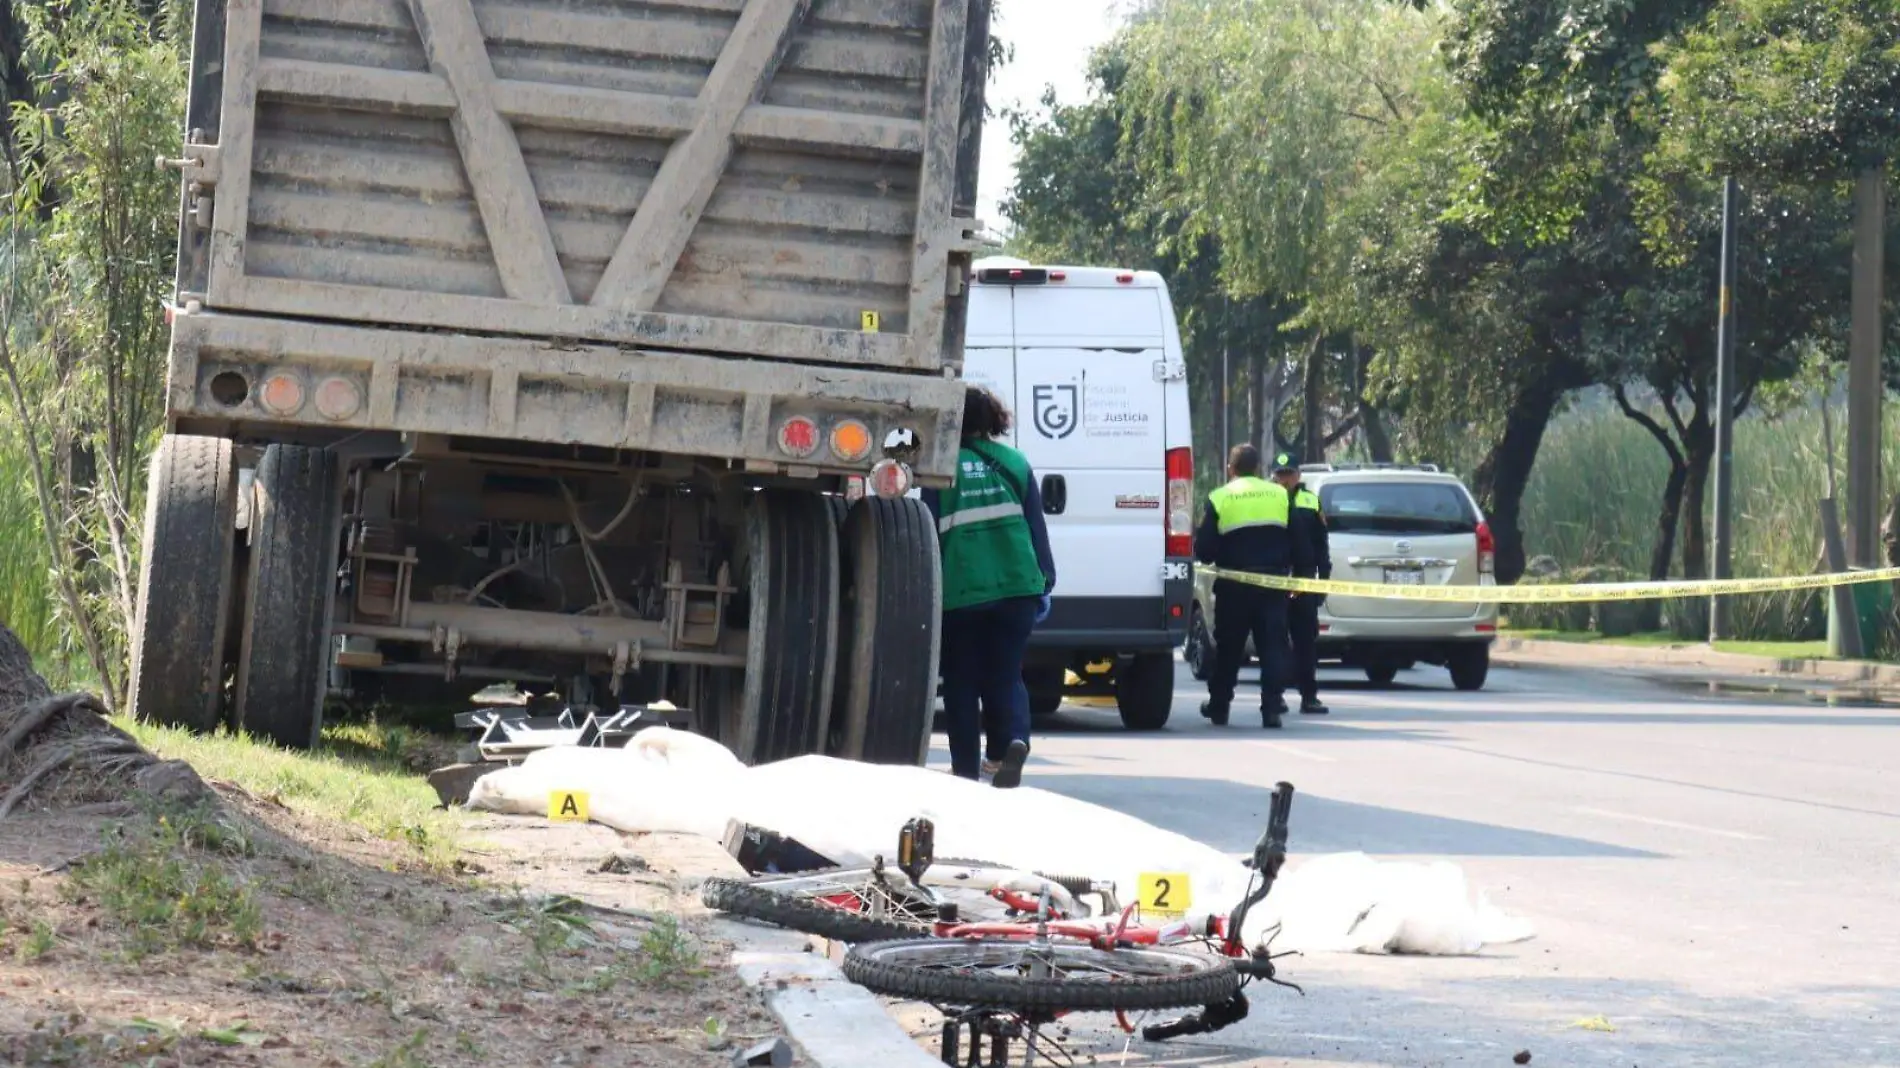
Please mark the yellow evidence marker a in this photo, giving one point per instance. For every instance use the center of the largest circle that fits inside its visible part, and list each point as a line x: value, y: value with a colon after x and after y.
x: 1164, y: 893
x: 567, y: 806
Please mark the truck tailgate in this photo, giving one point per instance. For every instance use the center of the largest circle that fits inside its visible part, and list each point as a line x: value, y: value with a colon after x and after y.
x: 768, y: 178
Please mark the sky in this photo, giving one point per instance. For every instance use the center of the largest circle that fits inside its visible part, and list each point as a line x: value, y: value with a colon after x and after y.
x: 1052, y: 40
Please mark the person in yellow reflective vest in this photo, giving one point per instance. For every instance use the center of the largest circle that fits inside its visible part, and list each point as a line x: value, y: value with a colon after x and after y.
x: 1244, y: 528
x: 1302, y: 610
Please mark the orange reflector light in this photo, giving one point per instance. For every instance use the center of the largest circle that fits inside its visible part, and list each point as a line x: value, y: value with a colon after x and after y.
x: 850, y: 440
x: 798, y: 436
x: 338, y: 398
x: 282, y: 394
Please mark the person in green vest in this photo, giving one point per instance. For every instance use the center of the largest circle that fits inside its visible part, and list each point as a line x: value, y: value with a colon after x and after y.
x: 1302, y: 609
x: 1244, y: 529
x: 997, y: 576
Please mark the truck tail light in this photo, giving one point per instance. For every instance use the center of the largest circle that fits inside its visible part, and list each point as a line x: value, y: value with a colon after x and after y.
x: 889, y: 479
x: 798, y: 436
x: 1487, y: 550
x: 1180, y: 512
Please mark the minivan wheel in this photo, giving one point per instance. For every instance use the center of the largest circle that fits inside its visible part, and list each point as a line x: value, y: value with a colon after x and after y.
x: 1469, y: 667
x: 1144, y: 691
x: 1381, y: 675
x: 1198, y: 650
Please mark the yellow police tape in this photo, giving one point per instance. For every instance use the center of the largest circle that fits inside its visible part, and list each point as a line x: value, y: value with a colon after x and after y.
x: 1576, y: 592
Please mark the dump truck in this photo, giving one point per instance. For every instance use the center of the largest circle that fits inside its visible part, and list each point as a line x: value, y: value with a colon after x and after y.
x: 593, y: 347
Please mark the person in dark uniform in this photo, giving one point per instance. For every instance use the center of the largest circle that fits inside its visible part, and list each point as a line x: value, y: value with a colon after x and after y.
x: 1307, y: 525
x: 1244, y: 528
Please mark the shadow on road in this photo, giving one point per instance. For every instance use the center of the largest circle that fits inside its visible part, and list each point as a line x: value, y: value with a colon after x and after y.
x: 1229, y: 816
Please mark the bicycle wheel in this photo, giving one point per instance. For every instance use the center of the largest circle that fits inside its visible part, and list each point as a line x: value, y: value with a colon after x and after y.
x: 847, y: 904
x: 1027, y: 976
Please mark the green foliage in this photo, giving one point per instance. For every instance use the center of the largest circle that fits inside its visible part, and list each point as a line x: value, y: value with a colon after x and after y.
x: 90, y: 227
x: 1800, y: 89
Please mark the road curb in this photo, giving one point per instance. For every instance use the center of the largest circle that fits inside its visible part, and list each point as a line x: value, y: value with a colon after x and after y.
x: 1695, y: 657
x: 838, y: 1023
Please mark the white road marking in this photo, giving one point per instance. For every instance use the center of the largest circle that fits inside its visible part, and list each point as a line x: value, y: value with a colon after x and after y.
x: 1303, y: 754
x: 1671, y: 823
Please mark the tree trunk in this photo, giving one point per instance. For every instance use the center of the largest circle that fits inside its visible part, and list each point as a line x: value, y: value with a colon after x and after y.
x: 1263, y: 410
x: 1312, y: 405
x: 1699, y: 448
x: 1890, y: 532
x: 1506, y: 470
x: 1663, y: 552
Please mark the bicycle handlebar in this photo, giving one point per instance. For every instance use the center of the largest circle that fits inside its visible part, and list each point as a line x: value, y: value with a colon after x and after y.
x: 1268, y: 856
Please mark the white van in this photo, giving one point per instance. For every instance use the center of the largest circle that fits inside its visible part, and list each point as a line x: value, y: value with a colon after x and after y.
x: 1089, y: 360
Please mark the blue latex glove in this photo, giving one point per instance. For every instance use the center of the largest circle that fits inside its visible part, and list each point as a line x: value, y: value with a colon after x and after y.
x: 1042, y: 609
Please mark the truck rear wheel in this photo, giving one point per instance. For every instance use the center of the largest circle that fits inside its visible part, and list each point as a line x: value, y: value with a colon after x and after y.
x: 185, y: 583
x: 1144, y: 691
x: 888, y: 642
x: 284, y: 656
x: 792, y: 629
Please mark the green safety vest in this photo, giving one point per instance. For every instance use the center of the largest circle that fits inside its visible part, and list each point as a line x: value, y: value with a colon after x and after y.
x: 1306, y: 499
x: 988, y: 554
x: 1250, y: 501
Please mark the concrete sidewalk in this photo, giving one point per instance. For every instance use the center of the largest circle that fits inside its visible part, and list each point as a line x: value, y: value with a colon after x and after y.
x: 1700, y: 661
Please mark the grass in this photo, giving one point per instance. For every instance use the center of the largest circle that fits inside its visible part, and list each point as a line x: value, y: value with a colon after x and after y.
x: 358, y: 775
x: 168, y: 883
x: 1595, y: 493
x: 1805, y: 650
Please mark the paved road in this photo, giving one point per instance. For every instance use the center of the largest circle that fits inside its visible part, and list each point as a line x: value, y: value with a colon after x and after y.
x: 1718, y: 878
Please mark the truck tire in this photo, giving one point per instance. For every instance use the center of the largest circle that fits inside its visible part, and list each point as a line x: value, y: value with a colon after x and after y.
x: 1469, y: 666
x: 1045, y: 683
x: 185, y: 583
x: 1144, y: 691
x: 284, y: 658
x: 888, y: 638
x: 792, y: 629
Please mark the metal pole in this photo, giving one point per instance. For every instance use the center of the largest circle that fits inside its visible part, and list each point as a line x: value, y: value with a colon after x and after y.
x: 1724, y: 414
x: 1863, y: 372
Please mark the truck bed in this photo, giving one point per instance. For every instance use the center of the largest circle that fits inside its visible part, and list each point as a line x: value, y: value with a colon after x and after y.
x: 764, y: 178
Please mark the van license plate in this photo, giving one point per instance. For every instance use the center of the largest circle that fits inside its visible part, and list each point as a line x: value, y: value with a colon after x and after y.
x: 1404, y: 578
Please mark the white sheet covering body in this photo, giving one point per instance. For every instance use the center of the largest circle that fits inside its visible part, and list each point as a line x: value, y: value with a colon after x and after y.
x: 676, y: 782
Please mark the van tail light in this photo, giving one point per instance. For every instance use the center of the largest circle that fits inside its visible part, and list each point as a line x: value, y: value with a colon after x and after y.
x: 1487, y: 550
x: 1180, y: 512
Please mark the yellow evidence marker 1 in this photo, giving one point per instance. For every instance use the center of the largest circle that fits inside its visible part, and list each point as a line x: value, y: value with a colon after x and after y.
x: 567, y: 806
x: 1164, y: 893
x: 869, y: 321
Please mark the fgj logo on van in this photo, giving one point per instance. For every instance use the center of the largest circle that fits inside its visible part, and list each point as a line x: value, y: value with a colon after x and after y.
x: 1054, y: 410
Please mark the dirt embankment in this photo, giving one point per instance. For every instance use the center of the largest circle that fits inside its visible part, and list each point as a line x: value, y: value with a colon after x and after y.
x: 148, y: 916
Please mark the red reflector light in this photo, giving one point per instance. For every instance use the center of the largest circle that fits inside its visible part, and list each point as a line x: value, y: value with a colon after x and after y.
x: 1175, y: 611
x: 1179, y: 516
x: 1125, y: 277
x: 889, y: 479
x: 1324, y: 627
x: 1058, y: 276
x: 1486, y: 628
x: 798, y: 436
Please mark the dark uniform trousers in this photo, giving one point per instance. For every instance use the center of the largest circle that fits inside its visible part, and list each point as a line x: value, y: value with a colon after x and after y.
x: 1240, y: 610
x: 1302, y: 624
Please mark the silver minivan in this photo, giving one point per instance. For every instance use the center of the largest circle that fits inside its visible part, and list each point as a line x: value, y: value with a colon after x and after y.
x: 1393, y: 524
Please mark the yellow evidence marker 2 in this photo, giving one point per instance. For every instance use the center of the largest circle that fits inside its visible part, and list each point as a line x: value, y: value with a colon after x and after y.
x: 1164, y: 893
x: 567, y: 806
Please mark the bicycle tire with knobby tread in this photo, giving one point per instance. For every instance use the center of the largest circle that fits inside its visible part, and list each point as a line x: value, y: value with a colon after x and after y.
x: 1209, y: 980
x: 755, y: 902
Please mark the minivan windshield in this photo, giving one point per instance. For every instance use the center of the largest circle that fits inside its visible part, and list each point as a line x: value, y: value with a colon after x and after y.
x: 1397, y: 508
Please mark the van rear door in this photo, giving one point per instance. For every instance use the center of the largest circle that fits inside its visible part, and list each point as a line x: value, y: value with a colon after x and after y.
x: 1400, y: 531
x: 1091, y: 416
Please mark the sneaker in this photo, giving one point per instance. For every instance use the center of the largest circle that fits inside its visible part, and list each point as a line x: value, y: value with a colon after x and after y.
x: 1312, y: 707
x: 990, y: 768
x: 1009, y: 774
x: 1214, y: 712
